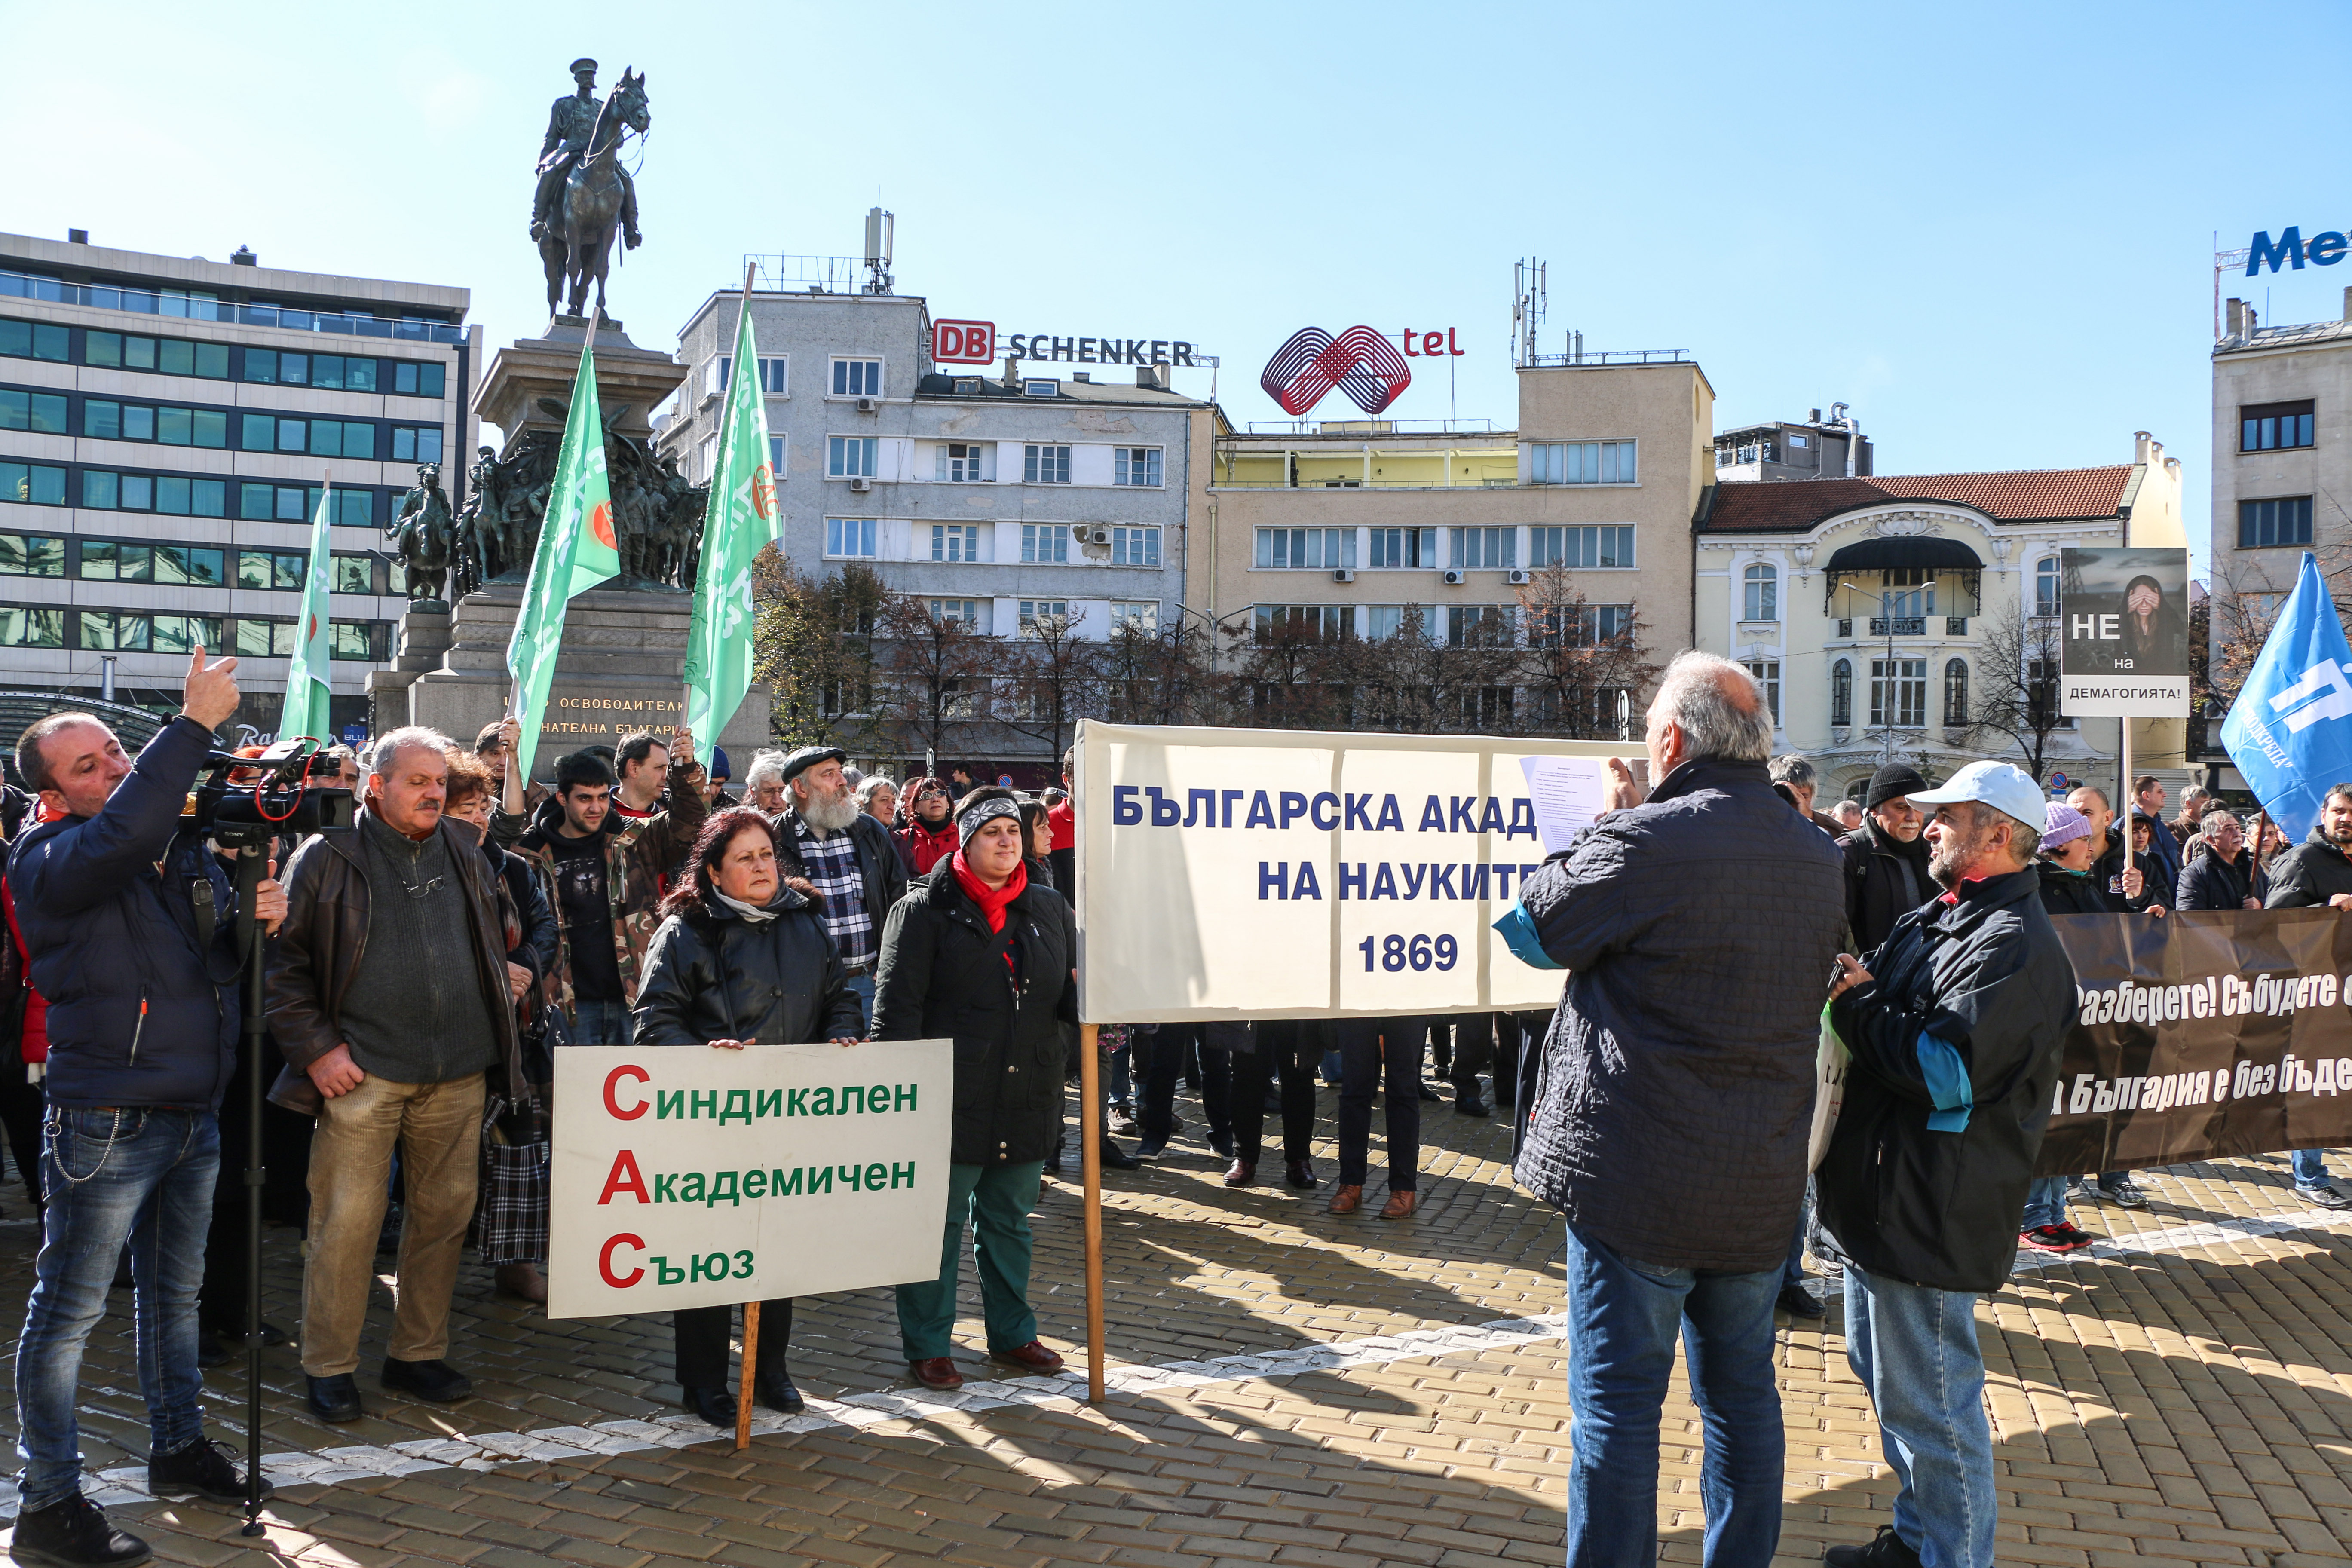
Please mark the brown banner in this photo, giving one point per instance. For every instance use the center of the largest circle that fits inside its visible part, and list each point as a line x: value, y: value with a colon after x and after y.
x: 2203, y: 1034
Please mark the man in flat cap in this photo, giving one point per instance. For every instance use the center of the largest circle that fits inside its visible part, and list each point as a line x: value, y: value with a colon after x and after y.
x: 824, y: 837
x: 570, y: 125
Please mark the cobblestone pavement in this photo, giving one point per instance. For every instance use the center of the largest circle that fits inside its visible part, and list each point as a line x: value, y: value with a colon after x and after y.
x: 1289, y: 1388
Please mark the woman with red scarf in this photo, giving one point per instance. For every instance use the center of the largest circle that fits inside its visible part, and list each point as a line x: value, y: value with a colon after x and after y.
x: 927, y: 830
x: 974, y: 953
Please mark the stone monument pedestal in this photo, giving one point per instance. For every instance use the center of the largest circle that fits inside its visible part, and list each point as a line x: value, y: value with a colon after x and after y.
x: 629, y: 381
x: 620, y: 669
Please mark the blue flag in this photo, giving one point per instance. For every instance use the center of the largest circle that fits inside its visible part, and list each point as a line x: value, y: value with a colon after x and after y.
x: 2289, y: 732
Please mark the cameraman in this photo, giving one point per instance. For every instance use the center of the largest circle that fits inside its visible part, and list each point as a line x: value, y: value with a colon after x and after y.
x: 131, y: 932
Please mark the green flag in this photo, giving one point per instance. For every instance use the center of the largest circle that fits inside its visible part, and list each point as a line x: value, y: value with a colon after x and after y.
x: 305, y: 710
x: 577, y: 550
x: 742, y: 516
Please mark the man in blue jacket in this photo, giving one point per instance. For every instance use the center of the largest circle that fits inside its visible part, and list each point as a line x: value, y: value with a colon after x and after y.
x: 1669, y: 1114
x: 131, y: 929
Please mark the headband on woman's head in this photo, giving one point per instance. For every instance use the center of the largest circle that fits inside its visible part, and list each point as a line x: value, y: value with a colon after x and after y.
x: 986, y: 811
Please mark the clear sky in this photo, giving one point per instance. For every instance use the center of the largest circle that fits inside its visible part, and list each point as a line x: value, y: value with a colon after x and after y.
x: 1987, y: 228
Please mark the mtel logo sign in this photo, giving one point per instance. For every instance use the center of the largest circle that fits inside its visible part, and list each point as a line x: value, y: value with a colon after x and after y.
x: 974, y: 342
x: 1359, y: 362
x: 2324, y: 251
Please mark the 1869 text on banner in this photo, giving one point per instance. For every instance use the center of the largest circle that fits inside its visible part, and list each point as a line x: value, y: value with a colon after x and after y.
x: 691, y: 1177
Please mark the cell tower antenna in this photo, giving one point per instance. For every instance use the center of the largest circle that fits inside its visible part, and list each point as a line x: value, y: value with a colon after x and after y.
x: 1530, y: 298
x: 881, y: 237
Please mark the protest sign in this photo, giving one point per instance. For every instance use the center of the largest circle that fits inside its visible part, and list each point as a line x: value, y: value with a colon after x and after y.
x: 689, y: 1177
x: 2203, y: 1034
x: 2124, y: 649
x: 1292, y: 874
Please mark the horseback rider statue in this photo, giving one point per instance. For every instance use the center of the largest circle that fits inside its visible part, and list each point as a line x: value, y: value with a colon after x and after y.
x: 570, y: 124
x: 423, y: 532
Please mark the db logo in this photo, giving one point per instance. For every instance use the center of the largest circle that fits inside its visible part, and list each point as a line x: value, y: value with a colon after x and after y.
x: 964, y: 342
x: 1359, y: 362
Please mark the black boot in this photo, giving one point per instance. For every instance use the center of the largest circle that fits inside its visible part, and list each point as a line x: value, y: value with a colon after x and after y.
x: 71, y: 1532
x: 715, y: 1405
x: 201, y: 1469
x: 771, y: 1389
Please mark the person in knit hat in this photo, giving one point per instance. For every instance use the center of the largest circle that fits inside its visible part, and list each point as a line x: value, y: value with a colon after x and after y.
x: 1885, y: 857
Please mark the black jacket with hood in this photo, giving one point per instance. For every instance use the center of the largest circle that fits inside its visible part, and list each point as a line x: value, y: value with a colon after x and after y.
x: 1875, y: 895
x: 712, y: 974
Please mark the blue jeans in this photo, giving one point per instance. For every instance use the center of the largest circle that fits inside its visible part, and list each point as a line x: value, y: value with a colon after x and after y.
x: 2310, y: 1167
x: 136, y: 1175
x: 1915, y: 1349
x: 1623, y: 1319
x: 2045, y: 1202
x: 862, y: 985
x: 1122, y: 1090
x: 601, y: 1022
x: 1792, y: 1271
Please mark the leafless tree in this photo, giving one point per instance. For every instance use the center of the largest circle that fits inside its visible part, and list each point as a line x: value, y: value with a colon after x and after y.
x: 934, y: 670
x: 1049, y: 678
x: 1578, y: 657
x: 814, y: 646
x: 1287, y: 673
x: 1160, y: 676
x: 2016, y: 676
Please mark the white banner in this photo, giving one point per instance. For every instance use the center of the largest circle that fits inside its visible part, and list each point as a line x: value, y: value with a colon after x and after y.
x: 1290, y: 874
x: 688, y: 1177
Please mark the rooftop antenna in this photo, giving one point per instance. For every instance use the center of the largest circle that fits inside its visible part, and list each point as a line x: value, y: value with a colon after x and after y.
x: 881, y: 235
x: 1531, y: 297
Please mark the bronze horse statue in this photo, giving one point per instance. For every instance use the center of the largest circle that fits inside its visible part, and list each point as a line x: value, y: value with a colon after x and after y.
x: 579, y: 242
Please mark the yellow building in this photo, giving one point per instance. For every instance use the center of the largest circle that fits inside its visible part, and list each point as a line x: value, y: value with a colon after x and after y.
x: 1878, y: 613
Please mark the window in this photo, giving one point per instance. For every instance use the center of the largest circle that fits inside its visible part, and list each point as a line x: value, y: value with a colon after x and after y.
x: 1487, y: 548
x: 1311, y: 549
x: 1955, y: 693
x: 34, y: 340
x: 37, y: 483
x: 1799, y: 442
x: 260, y: 638
x: 352, y: 575
x: 1039, y: 616
x: 126, y: 632
x: 342, y: 372
x: 1478, y: 626
x: 2264, y: 523
x: 26, y: 627
x: 956, y: 542
x: 706, y: 455
x: 349, y: 438
x: 1898, y: 693
x: 279, y: 569
x: 1405, y: 547
x: 1143, y: 615
x: 1760, y: 599
x: 296, y: 503
x: 851, y: 536
x: 774, y: 381
x: 1310, y: 622
x: 966, y: 462
x: 1767, y: 675
x: 857, y: 378
x: 416, y: 444
x: 1581, y: 463
x: 1135, y: 466
x: 776, y: 456
x: 2045, y: 586
x: 966, y: 611
x: 183, y: 564
x: 1045, y: 542
x: 41, y: 411
x: 354, y: 373
x: 1134, y: 544
x: 967, y: 386
x: 850, y: 456
x: 1045, y: 465
x: 1041, y: 387
x: 31, y: 555
x: 361, y: 640
x: 1380, y: 622
x: 1581, y: 549
x: 2267, y: 426
x: 1908, y: 593
x: 1841, y: 693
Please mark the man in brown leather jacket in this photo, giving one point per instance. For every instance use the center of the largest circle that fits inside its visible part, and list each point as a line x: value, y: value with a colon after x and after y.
x: 390, y: 996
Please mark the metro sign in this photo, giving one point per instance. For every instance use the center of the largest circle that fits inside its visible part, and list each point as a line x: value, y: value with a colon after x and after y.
x: 964, y: 342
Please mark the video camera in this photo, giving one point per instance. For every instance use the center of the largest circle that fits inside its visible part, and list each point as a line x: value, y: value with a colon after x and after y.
x: 277, y: 800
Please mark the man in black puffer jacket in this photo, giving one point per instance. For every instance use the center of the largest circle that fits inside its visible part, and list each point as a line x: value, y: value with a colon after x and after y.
x: 1885, y: 857
x: 131, y: 931
x: 1955, y: 1026
x: 1669, y: 1115
x: 975, y: 954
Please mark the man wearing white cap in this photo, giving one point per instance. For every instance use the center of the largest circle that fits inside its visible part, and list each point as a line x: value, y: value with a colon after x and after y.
x: 1954, y: 1024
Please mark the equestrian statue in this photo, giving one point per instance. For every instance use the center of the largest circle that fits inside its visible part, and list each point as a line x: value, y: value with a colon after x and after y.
x: 583, y: 193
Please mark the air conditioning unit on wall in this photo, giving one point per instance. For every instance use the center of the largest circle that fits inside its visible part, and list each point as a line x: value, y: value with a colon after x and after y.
x: 1094, y: 534
x: 1344, y: 574
x: 1454, y: 577
x: 867, y: 404
x: 1518, y: 579
x: 861, y: 485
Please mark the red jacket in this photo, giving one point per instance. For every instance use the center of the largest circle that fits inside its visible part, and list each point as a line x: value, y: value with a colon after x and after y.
x: 36, y: 1047
x: 1064, y: 820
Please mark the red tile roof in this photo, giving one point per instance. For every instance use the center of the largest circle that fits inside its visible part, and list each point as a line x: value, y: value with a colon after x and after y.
x: 2019, y: 496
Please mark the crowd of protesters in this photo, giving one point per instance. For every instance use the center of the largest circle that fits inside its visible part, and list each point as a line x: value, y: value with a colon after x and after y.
x: 424, y: 964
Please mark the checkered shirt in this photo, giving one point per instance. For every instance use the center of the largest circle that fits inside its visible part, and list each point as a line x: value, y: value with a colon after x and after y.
x: 831, y: 865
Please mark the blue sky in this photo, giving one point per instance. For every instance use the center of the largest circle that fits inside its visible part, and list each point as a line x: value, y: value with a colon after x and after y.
x: 1989, y: 228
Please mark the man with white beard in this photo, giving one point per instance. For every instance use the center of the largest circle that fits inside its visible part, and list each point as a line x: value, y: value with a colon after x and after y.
x: 845, y: 854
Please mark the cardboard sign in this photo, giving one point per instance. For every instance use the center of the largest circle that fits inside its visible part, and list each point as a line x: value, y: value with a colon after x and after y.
x: 2123, y: 616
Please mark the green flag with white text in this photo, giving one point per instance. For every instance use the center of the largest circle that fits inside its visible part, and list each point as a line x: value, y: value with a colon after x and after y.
x: 305, y: 710
x: 577, y: 550
x: 741, y: 517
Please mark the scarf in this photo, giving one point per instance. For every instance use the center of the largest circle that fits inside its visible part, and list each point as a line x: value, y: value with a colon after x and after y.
x: 752, y: 912
x: 992, y: 900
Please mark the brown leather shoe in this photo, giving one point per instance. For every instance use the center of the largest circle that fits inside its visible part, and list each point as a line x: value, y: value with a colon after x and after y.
x: 1033, y: 1357
x: 1243, y: 1174
x: 1399, y: 1205
x: 937, y: 1372
x: 1347, y: 1199
x: 524, y: 1280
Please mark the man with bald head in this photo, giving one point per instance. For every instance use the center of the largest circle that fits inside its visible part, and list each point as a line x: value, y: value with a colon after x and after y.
x: 1670, y: 1112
